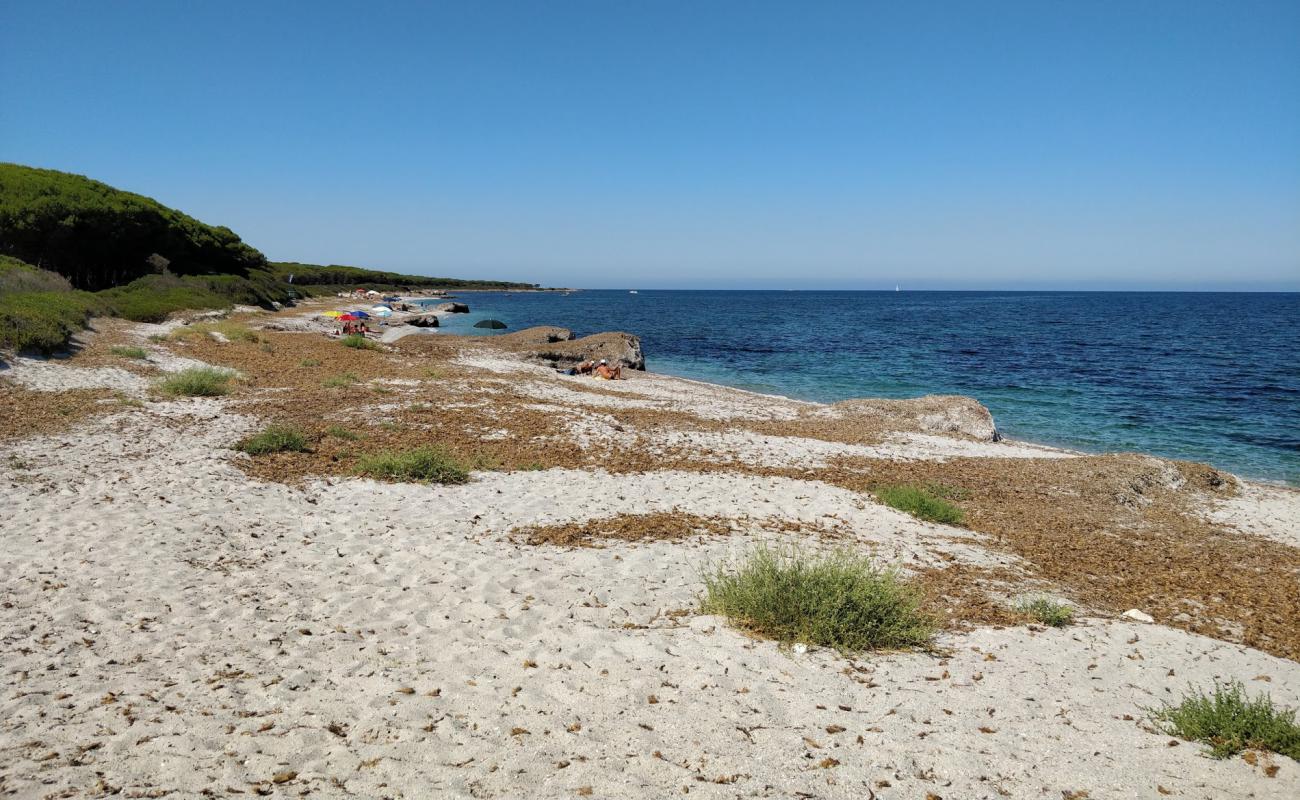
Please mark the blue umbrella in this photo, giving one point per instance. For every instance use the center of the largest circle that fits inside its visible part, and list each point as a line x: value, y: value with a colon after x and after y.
x: 360, y: 314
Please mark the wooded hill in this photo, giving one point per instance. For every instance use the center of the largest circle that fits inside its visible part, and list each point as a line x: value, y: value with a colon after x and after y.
x: 87, y: 249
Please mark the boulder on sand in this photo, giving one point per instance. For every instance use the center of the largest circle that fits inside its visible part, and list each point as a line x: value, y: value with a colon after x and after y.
x: 541, y: 334
x: 452, y: 308
x: 934, y: 413
x: 617, y: 348
x: 424, y: 321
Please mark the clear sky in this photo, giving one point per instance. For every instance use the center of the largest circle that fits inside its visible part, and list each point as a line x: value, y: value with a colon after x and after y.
x: 610, y: 143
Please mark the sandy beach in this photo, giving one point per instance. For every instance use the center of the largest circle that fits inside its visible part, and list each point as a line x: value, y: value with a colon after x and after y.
x: 181, y: 619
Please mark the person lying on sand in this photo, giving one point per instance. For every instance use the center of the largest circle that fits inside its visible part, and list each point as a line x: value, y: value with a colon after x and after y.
x: 584, y: 368
x: 606, y: 373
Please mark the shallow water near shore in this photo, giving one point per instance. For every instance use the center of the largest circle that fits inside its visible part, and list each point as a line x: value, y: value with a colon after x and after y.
x: 1203, y: 376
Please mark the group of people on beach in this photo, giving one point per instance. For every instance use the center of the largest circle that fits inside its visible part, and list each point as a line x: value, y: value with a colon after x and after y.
x: 601, y: 370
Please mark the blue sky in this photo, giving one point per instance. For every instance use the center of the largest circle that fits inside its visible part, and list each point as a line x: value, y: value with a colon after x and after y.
x: 693, y: 144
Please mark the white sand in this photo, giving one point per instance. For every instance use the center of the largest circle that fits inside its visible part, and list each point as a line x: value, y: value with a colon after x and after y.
x: 172, y: 627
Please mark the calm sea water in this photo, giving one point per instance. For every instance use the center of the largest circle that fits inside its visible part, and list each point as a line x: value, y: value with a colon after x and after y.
x: 1208, y: 377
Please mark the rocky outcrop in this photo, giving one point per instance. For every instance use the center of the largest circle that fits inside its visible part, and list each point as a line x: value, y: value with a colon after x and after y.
x: 542, y: 334
x: 617, y: 348
x: 452, y: 308
x: 424, y: 321
x: 934, y: 413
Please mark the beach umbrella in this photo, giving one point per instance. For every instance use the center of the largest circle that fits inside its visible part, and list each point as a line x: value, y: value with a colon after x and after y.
x: 392, y: 299
x: 359, y: 314
x: 347, y: 316
x: 382, y: 311
x: 494, y: 324
x: 332, y: 314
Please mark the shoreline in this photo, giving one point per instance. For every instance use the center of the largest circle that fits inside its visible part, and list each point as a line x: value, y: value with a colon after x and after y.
x: 277, y: 624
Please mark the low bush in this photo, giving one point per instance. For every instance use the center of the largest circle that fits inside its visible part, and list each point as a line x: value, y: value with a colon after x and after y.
x: 839, y: 600
x: 339, y: 381
x: 921, y: 502
x: 1047, y: 611
x: 309, y: 362
x: 1229, y: 721
x: 358, y: 342
x: 197, y: 382
x: 423, y: 464
x: 18, y: 276
x: 339, y: 432
x: 275, y: 439
x: 130, y: 352
x: 43, y: 322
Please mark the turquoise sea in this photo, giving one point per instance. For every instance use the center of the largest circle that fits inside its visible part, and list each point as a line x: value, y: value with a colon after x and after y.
x: 1203, y: 376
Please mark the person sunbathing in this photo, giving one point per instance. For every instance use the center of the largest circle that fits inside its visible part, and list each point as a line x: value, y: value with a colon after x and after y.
x: 605, y: 372
x: 584, y: 368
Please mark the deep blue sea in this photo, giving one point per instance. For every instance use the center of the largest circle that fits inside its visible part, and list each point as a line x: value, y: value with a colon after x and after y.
x: 1202, y: 376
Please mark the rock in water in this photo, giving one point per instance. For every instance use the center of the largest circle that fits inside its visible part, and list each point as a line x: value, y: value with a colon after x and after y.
x: 452, y: 308
x: 424, y: 321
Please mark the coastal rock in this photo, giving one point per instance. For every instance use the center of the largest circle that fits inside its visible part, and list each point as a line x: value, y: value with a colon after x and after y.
x: 617, y: 348
x: 424, y: 321
x: 944, y: 414
x: 1137, y: 616
x: 452, y: 308
x: 541, y: 334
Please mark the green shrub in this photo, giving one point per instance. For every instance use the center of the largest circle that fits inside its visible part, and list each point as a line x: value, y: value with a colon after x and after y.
x: 275, y: 439
x: 339, y: 381
x: 339, y: 432
x: 1047, y: 611
x: 43, y: 322
x: 233, y: 331
x: 197, y: 382
x: 130, y: 352
x: 309, y: 362
x: 921, y: 503
x: 19, y: 276
x: 423, y: 464
x: 840, y: 600
x: 1229, y: 722
x: 358, y: 342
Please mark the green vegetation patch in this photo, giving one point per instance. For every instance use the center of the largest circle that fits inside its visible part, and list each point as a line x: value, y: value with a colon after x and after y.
x: 921, y: 502
x: 130, y: 352
x: 275, y: 439
x: 1047, y: 611
x: 358, y: 342
x: 43, y: 322
x: 340, y: 432
x: 198, y: 382
x: 1229, y: 721
x: 840, y: 600
x: 339, y: 381
x: 427, y: 464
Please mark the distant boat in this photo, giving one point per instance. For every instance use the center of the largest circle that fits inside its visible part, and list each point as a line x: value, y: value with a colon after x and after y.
x: 632, y: 291
x: 896, y: 288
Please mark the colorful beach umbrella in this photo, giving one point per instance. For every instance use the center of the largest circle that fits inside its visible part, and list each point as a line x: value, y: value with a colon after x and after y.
x: 359, y: 314
x: 347, y: 316
x: 332, y: 314
x: 382, y: 311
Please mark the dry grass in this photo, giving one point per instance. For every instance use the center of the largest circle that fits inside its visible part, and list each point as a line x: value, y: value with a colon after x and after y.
x: 24, y: 412
x: 662, y: 526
